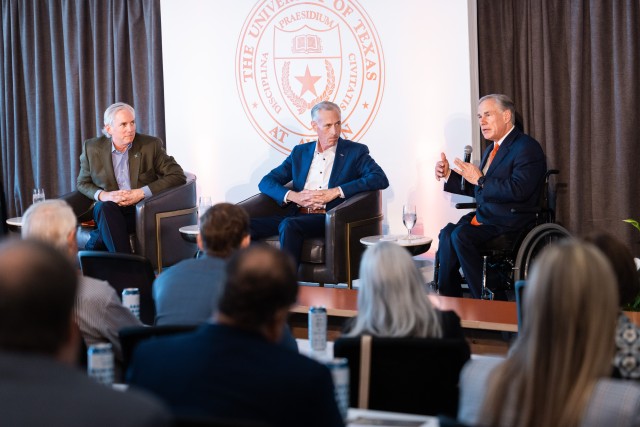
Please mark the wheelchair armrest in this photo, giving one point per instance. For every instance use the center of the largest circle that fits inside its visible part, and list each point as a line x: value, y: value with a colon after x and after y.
x: 535, y: 210
x: 470, y: 205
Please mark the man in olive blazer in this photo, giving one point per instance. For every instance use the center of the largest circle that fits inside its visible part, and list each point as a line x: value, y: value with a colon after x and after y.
x: 117, y: 171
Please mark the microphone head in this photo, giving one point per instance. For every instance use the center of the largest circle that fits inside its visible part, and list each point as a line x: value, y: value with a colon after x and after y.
x: 468, y: 149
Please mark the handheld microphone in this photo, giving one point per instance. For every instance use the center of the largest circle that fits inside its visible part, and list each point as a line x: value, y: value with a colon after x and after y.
x: 467, y: 159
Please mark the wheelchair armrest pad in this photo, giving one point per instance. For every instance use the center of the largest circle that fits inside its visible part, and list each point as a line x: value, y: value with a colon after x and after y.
x: 471, y: 205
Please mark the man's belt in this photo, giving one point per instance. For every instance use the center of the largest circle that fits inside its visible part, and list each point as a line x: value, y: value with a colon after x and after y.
x: 306, y: 211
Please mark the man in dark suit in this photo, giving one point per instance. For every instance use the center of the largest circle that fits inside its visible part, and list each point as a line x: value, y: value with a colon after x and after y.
x: 234, y: 369
x: 39, y: 344
x: 324, y: 173
x: 118, y: 170
x: 510, y: 176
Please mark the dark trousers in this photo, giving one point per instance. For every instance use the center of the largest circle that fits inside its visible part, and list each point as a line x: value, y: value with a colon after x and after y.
x: 293, y: 228
x: 459, y: 247
x: 115, y: 223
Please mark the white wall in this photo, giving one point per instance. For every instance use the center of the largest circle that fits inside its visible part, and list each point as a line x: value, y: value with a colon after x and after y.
x: 428, y: 105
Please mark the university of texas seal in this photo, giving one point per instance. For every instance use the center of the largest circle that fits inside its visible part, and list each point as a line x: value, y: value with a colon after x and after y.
x: 293, y: 54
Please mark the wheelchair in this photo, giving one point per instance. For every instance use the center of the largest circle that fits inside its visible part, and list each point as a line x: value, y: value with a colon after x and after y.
x: 508, y: 257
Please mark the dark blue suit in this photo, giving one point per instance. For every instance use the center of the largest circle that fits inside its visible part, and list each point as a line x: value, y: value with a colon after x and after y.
x: 353, y: 170
x: 223, y: 372
x: 513, y: 180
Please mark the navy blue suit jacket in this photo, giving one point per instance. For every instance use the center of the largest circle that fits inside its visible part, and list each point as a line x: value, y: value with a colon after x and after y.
x: 514, y: 180
x: 223, y: 372
x: 353, y: 170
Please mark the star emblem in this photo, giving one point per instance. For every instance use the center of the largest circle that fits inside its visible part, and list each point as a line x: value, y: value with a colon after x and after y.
x: 308, y: 82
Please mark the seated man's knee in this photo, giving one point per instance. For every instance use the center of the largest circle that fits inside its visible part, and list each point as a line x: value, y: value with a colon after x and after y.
x: 288, y: 225
x: 104, y: 207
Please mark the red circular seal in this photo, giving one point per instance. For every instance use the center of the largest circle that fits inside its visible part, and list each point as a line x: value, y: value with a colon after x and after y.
x: 292, y: 55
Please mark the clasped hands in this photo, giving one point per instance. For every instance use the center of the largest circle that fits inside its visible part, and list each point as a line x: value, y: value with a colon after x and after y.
x: 122, y: 197
x: 468, y: 171
x: 314, y: 199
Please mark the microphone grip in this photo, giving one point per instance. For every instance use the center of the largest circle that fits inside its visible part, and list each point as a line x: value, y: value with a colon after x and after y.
x: 467, y: 159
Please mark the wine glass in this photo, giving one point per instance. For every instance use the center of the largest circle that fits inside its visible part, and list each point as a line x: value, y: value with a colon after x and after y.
x: 409, y: 217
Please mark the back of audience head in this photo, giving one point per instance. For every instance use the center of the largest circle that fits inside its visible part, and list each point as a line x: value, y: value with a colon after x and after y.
x: 567, y: 340
x: 392, y: 300
x: 52, y: 222
x: 37, y: 294
x: 224, y: 228
x: 260, y: 288
x: 622, y: 262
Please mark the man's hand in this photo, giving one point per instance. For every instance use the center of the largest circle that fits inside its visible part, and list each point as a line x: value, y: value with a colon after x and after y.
x: 442, y: 168
x: 122, y: 197
x: 468, y: 171
x: 314, y: 199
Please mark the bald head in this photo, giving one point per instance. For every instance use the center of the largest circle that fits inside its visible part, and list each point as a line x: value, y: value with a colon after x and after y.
x: 261, y: 281
x: 37, y: 294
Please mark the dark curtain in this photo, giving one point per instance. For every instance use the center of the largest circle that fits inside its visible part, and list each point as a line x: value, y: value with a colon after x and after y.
x: 573, y: 70
x: 62, y: 63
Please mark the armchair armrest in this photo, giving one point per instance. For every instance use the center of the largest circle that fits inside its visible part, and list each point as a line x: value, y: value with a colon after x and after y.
x: 82, y: 205
x: 158, y: 220
x: 357, y: 217
x: 262, y: 205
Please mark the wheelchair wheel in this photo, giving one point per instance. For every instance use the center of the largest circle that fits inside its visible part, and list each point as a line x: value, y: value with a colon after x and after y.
x: 533, y: 243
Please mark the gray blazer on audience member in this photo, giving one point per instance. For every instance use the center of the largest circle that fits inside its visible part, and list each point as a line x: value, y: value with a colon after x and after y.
x: 38, y: 391
x: 612, y: 403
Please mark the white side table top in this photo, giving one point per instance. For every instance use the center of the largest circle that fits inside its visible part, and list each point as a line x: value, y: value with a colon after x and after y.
x: 400, y: 239
x: 190, y: 229
x: 15, y: 222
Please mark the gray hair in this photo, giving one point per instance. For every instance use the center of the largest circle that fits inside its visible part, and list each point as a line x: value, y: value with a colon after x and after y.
x: 51, y: 222
x: 324, y: 105
x: 391, y: 300
x: 504, y: 102
x: 111, y: 112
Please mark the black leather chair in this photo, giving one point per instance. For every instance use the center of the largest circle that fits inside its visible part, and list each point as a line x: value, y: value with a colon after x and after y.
x: 158, y: 220
x: 411, y: 375
x: 132, y: 336
x: 123, y: 271
x: 336, y: 257
x: 508, y: 257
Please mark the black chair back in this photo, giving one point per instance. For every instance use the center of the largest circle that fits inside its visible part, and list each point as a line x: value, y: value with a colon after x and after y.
x: 123, y: 271
x: 132, y: 336
x: 411, y: 375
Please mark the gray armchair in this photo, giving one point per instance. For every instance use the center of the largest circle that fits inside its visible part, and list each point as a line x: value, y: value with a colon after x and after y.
x: 158, y: 220
x: 336, y: 257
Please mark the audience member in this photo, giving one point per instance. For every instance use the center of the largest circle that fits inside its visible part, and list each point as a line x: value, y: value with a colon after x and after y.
x: 98, y: 310
x: 39, y: 343
x: 626, y: 362
x: 119, y: 169
x: 188, y: 292
x: 556, y: 373
x: 392, y: 300
x: 233, y: 369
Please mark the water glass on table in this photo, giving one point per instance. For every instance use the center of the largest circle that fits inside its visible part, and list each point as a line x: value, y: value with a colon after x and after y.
x: 38, y: 195
x: 204, y: 203
x: 409, y: 218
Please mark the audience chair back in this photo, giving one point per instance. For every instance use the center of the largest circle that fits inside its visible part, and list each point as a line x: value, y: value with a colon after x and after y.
x: 132, y: 336
x: 123, y: 271
x: 411, y: 375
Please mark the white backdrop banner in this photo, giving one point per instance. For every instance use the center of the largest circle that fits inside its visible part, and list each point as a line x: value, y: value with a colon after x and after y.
x: 241, y: 77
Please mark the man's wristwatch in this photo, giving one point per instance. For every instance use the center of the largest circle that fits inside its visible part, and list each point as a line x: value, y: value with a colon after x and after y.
x: 481, y: 181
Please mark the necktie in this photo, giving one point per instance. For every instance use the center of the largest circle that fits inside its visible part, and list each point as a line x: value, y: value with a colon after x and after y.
x: 474, y: 220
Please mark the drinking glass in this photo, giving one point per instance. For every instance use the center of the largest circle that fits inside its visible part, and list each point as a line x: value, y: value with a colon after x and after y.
x: 409, y: 218
x: 38, y: 195
x: 204, y: 203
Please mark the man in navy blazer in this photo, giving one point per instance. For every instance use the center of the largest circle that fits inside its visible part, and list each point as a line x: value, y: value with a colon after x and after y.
x: 234, y: 369
x: 510, y: 176
x: 324, y: 173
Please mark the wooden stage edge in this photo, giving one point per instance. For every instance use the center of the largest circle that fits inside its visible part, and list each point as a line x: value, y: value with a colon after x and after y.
x: 489, y: 325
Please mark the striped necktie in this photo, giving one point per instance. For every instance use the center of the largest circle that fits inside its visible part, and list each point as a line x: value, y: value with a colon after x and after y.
x: 496, y: 147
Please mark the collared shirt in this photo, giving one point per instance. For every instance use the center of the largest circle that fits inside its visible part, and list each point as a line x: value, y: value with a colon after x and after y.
x: 120, y: 162
x: 486, y: 166
x: 320, y: 170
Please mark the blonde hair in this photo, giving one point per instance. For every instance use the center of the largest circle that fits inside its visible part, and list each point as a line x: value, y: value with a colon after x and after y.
x: 566, y: 344
x: 51, y: 222
x: 392, y: 301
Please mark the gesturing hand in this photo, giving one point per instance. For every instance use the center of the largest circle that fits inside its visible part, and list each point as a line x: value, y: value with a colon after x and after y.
x: 468, y: 171
x: 442, y: 167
